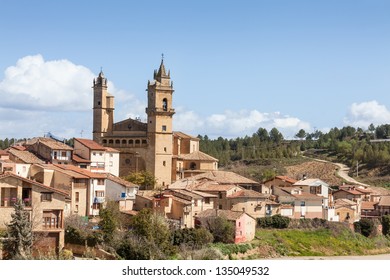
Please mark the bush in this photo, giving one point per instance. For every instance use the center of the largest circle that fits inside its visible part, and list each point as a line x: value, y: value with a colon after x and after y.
x: 276, y: 221
x: 195, y: 238
x: 365, y: 227
x: 385, y: 224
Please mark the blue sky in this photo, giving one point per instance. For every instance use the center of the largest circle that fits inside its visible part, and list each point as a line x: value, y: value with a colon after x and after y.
x: 236, y: 65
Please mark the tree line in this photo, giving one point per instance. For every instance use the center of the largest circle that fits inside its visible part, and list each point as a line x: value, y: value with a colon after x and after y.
x: 349, y: 144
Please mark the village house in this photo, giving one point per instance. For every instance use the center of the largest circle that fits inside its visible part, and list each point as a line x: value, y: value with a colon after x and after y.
x: 23, y: 160
x: 121, y: 191
x: 277, y: 181
x: 316, y: 187
x: 100, y: 159
x: 384, y: 206
x: 254, y: 203
x: 50, y: 150
x: 350, y: 193
x: 300, y: 204
x: 244, y: 224
x: 346, y: 210
x: 45, y: 204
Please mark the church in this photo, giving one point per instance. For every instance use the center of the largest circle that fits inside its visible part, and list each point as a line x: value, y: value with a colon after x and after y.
x: 152, y: 146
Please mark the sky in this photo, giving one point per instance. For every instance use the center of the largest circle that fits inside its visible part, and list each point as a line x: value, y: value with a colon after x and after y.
x: 236, y: 65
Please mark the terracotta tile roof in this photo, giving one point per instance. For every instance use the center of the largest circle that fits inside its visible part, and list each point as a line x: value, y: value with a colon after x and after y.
x: 90, y: 144
x: 204, y: 194
x: 248, y: 194
x: 8, y: 174
x: 286, y: 206
x: 213, y: 187
x: 18, y: 147
x: 350, y: 191
x: 53, y: 144
x: 81, y: 171
x: 111, y: 150
x: 181, y: 200
x: 120, y: 181
x: 25, y: 156
x: 344, y: 202
x: 184, y: 136
x: 368, y: 205
x: 285, y: 179
x: 225, y: 177
x: 384, y: 201
x: 198, y: 155
x: 64, y: 171
x: 227, y: 214
x: 79, y: 159
x: 188, y: 193
x: 3, y: 153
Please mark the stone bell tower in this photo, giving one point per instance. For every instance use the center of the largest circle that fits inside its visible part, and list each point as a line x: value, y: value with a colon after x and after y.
x: 103, y: 109
x: 159, y: 126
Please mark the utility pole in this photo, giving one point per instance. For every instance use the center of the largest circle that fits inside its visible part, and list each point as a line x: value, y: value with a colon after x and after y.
x: 357, y: 169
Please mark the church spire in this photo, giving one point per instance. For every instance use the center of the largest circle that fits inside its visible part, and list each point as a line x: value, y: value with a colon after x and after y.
x: 161, y: 73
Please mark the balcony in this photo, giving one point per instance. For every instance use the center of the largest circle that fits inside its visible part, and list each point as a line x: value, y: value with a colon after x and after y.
x: 98, y: 199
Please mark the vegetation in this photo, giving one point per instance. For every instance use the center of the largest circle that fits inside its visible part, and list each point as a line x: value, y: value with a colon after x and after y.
x: 365, y: 226
x: 221, y: 229
x: 144, y: 179
x: 276, y: 221
x: 19, y: 241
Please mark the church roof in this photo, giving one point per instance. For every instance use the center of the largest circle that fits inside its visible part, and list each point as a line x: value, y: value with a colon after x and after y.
x: 184, y: 136
x: 198, y: 155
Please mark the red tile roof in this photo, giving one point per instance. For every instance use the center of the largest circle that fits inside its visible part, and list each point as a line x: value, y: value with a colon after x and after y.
x: 79, y: 159
x: 90, y: 144
x: 286, y: 179
x: 248, y: 194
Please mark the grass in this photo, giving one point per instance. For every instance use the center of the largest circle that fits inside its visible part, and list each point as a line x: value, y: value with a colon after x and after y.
x: 319, y: 242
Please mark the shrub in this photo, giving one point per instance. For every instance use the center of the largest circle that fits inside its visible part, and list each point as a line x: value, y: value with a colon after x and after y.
x: 385, y: 224
x: 192, y: 237
x: 276, y: 221
x: 365, y: 227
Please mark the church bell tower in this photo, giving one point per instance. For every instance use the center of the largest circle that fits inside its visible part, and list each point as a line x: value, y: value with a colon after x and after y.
x: 103, y: 109
x: 159, y: 126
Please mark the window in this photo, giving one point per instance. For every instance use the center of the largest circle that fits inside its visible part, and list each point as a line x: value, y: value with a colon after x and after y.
x: 51, y: 219
x: 55, y: 155
x: 165, y: 149
x: 63, y: 153
x: 303, y: 203
x: 164, y: 163
x: 100, y: 182
x: 192, y: 165
x: 315, y: 189
x: 111, y: 164
x: 111, y: 155
x: 164, y: 128
x: 100, y: 154
x: 76, y: 209
x: 46, y: 196
x: 207, y: 200
x: 99, y: 193
x: 94, y: 153
x: 77, y: 196
x: 165, y: 104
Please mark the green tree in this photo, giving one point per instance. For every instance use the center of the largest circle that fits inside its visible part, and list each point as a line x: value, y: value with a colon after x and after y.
x: 19, y: 241
x: 144, y: 179
x: 386, y: 225
x: 154, y: 228
x: 221, y: 229
x: 108, y: 224
x: 275, y: 135
x: 301, y: 134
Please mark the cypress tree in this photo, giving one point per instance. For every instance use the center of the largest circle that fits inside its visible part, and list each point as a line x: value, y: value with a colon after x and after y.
x: 19, y: 243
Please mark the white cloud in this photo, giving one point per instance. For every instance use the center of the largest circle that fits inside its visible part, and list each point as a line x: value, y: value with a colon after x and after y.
x: 233, y: 124
x: 41, y: 96
x: 365, y: 113
x: 36, y: 84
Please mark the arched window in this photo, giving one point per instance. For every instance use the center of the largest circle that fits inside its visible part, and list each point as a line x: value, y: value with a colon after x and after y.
x: 104, y: 141
x: 137, y: 142
x: 165, y: 104
x: 131, y: 142
x: 117, y: 141
x: 110, y: 141
x: 124, y: 142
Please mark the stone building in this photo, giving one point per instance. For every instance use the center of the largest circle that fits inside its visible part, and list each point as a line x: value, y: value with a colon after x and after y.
x: 150, y: 146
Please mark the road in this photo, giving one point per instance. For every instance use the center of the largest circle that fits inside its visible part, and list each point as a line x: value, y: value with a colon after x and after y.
x: 342, y: 172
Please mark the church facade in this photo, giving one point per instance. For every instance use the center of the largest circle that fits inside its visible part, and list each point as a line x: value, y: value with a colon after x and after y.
x: 152, y: 146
